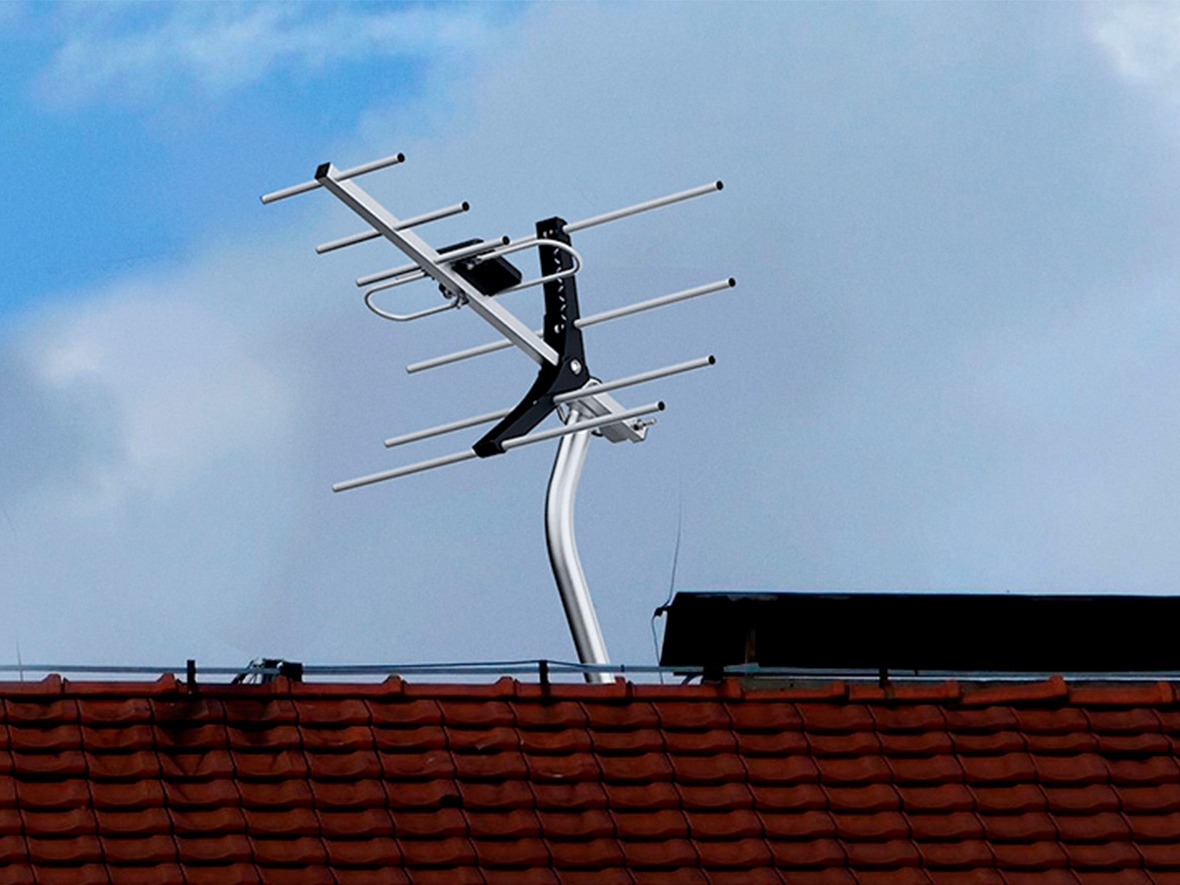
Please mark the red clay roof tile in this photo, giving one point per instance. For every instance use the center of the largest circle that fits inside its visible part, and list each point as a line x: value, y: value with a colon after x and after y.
x: 1025, y: 827
x: 1147, y: 799
x: 641, y: 783
x: 409, y: 740
x: 938, y: 799
x: 84, y: 874
x: 803, y: 797
x: 205, y: 822
x: 588, y: 823
x: 60, y: 822
x: 957, y: 854
x: 856, y: 743
x: 799, y: 825
x: 924, y: 770
x: 1089, y: 799
x: 740, y: 823
x: 440, y: 823
x: 586, y: 854
x: 880, y: 826
x: 1154, y: 827
x: 13, y: 850
x: 953, y: 825
x: 665, y: 823
x: 380, y: 852
x: 641, y: 740
x: 521, y: 823
x: 158, y: 849
x: 536, y: 742
x: 874, y: 797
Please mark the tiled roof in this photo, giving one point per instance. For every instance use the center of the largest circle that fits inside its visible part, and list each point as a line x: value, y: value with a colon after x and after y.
x: 1041, y: 783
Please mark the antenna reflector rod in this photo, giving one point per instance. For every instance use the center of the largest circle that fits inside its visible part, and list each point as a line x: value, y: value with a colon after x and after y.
x: 465, y: 455
x: 446, y: 428
x: 712, y: 187
x: 641, y: 378
x: 362, y: 237
x: 652, y: 303
x: 590, y: 424
x: 371, y: 166
x: 583, y: 322
x: 515, y: 442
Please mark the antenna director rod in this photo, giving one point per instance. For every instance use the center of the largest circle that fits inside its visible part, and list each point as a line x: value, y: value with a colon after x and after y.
x: 575, y: 226
x: 433, y: 263
x: 468, y: 454
x: 615, y: 313
x: 588, y: 424
x: 446, y: 428
x: 631, y: 380
x: 363, y: 236
x: 371, y: 166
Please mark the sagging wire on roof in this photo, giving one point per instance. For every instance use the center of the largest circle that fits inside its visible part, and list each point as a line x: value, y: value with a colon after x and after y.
x: 672, y: 580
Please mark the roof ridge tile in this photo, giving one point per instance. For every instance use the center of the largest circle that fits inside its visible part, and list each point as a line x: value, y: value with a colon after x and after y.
x: 1052, y: 688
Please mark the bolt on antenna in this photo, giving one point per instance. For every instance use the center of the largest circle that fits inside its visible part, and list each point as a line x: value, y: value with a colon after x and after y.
x: 472, y: 274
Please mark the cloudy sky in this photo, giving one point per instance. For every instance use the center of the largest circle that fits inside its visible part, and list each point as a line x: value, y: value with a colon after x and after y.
x: 952, y: 360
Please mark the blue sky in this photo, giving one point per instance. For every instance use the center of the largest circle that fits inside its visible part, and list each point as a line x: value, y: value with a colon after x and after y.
x: 949, y: 364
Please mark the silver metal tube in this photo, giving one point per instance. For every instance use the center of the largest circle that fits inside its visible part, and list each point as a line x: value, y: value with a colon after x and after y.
x: 445, y: 428
x: 575, y: 226
x: 589, y: 424
x: 641, y: 378
x: 583, y: 322
x: 364, y: 236
x: 563, y: 551
x: 340, y: 175
x: 442, y: 461
x: 652, y: 303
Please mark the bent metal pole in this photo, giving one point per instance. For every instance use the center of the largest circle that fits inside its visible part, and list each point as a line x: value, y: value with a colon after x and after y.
x: 563, y: 552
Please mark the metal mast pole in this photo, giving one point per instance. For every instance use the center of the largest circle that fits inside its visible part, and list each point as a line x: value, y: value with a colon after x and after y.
x: 563, y: 551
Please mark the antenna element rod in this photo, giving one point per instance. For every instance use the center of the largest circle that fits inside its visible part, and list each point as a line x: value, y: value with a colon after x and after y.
x: 371, y: 166
x: 493, y: 346
x: 641, y: 378
x: 363, y: 236
x: 575, y: 226
x: 516, y: 442
x: 446, y: 428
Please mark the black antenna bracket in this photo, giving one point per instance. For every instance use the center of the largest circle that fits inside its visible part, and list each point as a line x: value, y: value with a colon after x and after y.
x: 560, y: 332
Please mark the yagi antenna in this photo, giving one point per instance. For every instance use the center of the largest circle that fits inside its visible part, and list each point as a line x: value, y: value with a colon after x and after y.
x: 472, y: 274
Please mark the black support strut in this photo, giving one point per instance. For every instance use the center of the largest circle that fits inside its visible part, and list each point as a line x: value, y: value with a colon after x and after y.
x: 570, y: 372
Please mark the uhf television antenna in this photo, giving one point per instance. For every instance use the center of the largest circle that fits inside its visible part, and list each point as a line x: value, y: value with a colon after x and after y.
x: 473, y: 274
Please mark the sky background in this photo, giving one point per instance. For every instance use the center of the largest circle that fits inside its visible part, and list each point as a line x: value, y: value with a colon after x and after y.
x: 952, y: 360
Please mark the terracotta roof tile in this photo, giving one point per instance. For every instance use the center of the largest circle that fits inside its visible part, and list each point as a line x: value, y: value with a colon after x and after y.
x: 427, y: 824
x: 521, y: 823
x: 940, y: 799
x: 799, y: 825
x: 641, y: 740
x: 587, y: 854
x: 726, y: 825
x: 662, y: 824
x: 595, y: 823
x: 503, y: 783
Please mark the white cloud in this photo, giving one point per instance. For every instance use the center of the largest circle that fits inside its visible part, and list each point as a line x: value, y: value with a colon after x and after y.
x: 115, y: 52
x: 1142, y: 41
x: 181, y: 386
